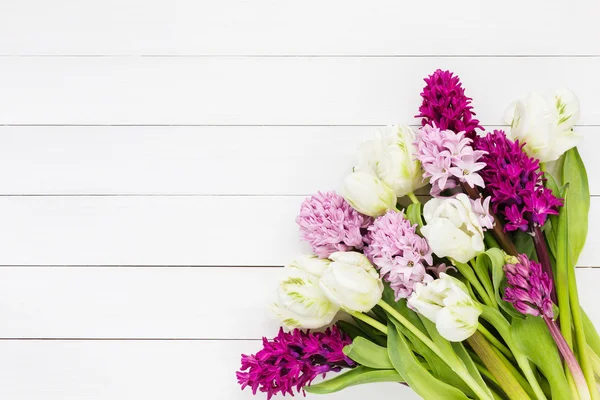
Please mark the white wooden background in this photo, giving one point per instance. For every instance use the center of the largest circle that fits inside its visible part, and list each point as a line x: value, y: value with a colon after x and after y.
x: 154, y: 153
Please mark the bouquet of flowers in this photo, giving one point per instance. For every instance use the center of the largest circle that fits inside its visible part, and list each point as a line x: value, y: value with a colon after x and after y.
x: 465, y: 292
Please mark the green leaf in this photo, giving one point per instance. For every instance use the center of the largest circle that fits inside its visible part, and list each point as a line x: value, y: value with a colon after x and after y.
x: 591, y: 334
x: 493, y: 260
x: 448, y: 349
x: 552, y: 222
x: 356, y: 376
x: 367, y: 353
x: 351, y: 330
x: 575, y: 175
x: 414, y: 214
x: 468, y: 362
x: 418, y: 378
x: 370, y: 332
x: 532, y: 337
x: 524, y: 243
x: 439, y: 369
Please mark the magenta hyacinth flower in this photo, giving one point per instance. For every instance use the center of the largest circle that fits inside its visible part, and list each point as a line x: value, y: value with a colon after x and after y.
x: 329, y: 224
x: 448, y: 158
x: 515, y: 183
x: 400, y: 254
x: 292, y: 360
x: 445, y: 104
x: 529, y: 287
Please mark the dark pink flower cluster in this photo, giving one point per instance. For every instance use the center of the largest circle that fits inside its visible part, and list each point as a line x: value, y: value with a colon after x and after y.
x: 515, y: 183
x: 400, y: 254
x: 329, y: 224
x: 447, y: 157
x: 529, y: 288
x: 445, y: 104
x: 292, y: 360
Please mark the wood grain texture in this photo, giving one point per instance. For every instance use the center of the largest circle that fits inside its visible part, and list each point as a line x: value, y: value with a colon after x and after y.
x: 269, y: 90
x: 151, y: 370
x: 193, y: 160
x: 173, y: 230
x: 156, y: 303
x: 310, y: 27
x: 153, y: 156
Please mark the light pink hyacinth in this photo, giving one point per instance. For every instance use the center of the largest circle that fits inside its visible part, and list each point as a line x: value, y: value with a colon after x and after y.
x: 448, y: 158
x: 329, y: 224
x: 400, y: 254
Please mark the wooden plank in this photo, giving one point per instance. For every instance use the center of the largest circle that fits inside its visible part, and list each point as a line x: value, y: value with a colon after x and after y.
x: 156, y: 303
x: 173, y: 230
x: 199, y: 160
x: 311, y: 27
x: 151, y: 370
x: 269, y: 91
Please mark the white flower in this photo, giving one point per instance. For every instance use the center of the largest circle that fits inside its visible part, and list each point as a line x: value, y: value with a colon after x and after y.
x: 352, y: 282
x: 545, y: 123
x: 311, y: 264
x: 367, y: 194
x: 452, y: 228
x: 301, y: 303
x: 446, y: 302
x: 391, y: 158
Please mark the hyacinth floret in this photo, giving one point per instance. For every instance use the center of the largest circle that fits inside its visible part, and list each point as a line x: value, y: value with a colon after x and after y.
x: 448, y: 158
x: 529, y: 287
x: 292, y: 360
x: 515, y: 183
x: 400, y: 254
x: 446, y: 105
x: 329, y: 224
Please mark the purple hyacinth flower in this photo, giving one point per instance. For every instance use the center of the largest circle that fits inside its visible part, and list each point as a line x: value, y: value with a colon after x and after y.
x: 329, y: 224
x: 400, y: 254
x: 448, y: 158
x: 514, y: 183
x: 292, y: 360
x: 445, y: 104
x: 528, y: 288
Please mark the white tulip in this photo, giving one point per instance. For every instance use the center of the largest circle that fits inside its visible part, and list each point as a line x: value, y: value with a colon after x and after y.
x: 352, y: 282
x: 391, y: 158
x: 301, y: 303
x: 452, y: 228
x: 545, y: 123
x: 311, y: 264
x: 446, y: 302
x: 367, y: 194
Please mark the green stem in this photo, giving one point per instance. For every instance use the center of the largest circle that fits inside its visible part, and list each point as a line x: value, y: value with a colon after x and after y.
x: 515, y: 372
x: 562, y: 277
x: 369, y: 320
x: 485, y: 280
x: 570, y: 360
x: 582, y: 347
x: 496, y: 366
x: 468, y: 273
x: 543, y: 167
x: 413, y: 198
x: 460, y: 369
x: 594, y: 360
x: 495, y: 342
x: 496, y: 318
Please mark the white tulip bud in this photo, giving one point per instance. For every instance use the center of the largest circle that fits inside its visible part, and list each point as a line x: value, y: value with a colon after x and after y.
x: 545, y: 123
x: 391, y: 158
x: 447, y: 303
x: 301, y: 303
x: 367, y: 194
x: 452, y: 228
x: 352, y: 282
